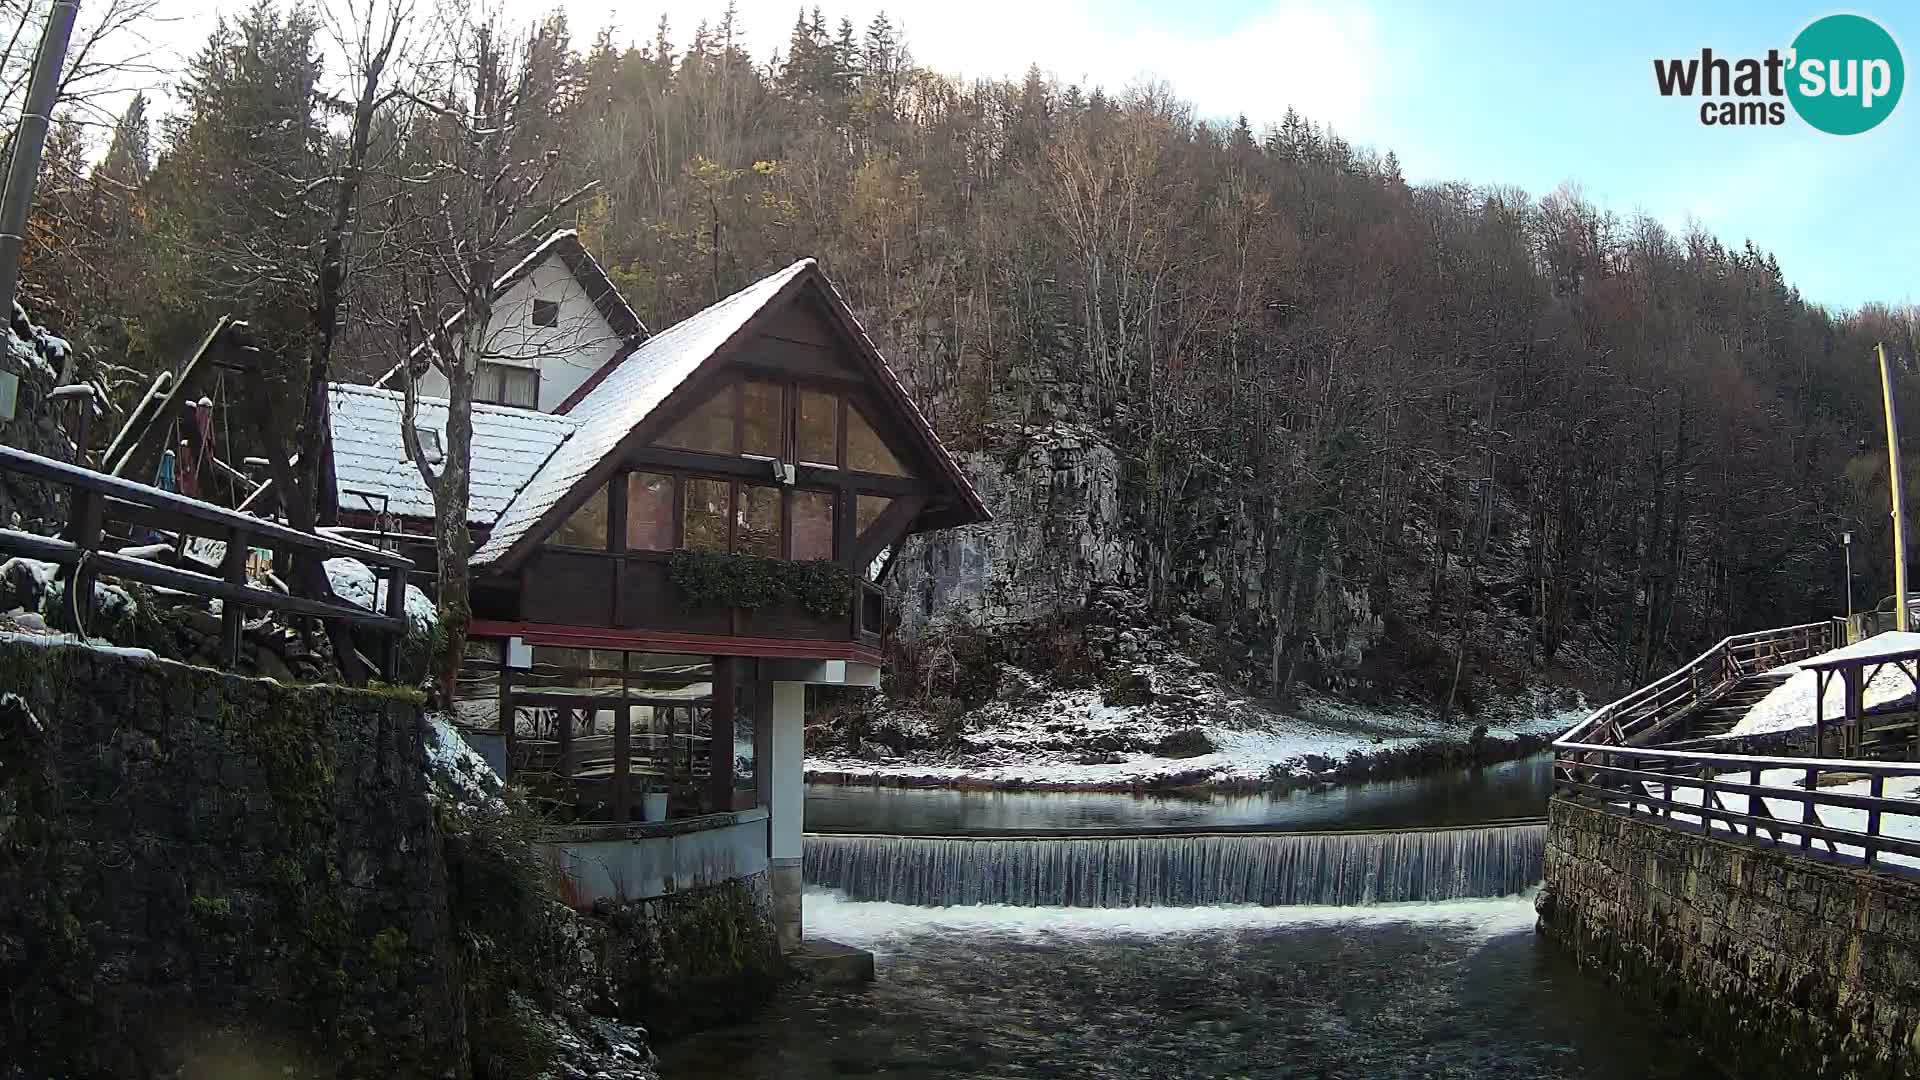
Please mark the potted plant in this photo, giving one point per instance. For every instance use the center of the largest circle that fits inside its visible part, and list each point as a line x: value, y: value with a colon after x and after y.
x: 653, y: 804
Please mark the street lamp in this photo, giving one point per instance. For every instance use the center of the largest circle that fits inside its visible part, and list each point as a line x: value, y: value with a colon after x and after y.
x: 1846, y: 548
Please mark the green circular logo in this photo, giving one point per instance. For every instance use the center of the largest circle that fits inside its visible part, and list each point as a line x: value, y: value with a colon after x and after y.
x: 1846, y: 75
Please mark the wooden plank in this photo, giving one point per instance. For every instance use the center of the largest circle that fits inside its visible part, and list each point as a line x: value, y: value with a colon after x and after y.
x: 114, y: 564
x: 1613, y: 797
x: 19, y: 461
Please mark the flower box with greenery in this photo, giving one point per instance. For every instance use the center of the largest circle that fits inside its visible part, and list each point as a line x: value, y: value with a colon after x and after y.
x: 820, y: 587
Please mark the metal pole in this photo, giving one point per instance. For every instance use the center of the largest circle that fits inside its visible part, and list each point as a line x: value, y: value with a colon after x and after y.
x: 29, y: 140
x: 1846, y: 548
x: 1893, y: 480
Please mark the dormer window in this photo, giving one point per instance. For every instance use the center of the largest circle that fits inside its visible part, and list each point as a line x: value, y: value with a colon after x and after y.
x: 546, y: 313
x: 430, y: 443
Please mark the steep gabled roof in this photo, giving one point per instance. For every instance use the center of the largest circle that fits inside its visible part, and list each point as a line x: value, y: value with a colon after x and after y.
x: 587, y: 272
x: 509, y: 446
x: 628, y: 391
x: 624, y: 397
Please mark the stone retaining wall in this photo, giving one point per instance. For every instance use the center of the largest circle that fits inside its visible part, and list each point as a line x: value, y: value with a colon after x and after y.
x: 1785, y: 966
x: 205, y: 875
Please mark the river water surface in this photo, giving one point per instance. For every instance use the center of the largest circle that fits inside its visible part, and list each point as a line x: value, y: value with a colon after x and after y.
x: 1451, y: 989
x: 1459, y: 797
x: 1456, y: 990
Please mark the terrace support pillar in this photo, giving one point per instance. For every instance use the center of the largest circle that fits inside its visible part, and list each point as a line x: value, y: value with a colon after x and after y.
x: 720, y: 713
x: 785, y: 771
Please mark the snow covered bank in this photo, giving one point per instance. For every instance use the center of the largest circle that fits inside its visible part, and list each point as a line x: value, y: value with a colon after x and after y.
x: 1206, y: 736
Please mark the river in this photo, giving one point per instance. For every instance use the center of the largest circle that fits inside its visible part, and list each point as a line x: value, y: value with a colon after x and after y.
x: 1456, y: 988
x: 1515, y: 789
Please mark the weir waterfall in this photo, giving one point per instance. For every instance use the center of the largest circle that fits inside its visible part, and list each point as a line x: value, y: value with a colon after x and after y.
x: 1159, y: 870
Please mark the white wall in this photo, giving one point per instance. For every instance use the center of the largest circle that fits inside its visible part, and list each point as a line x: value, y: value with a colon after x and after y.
x: 566, y: 353
x: 640, y: 861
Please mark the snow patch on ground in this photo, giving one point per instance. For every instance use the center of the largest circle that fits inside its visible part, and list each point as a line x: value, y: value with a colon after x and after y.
x: 1790, y: 705
x: 27, y: 637
x: 1905, y: 826
x: 456, y: 769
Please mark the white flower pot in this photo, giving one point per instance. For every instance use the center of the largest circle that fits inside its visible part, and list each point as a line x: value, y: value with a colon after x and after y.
x: 653, y: 806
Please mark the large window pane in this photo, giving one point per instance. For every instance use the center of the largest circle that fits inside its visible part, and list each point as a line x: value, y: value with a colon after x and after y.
x: 759, y: 532
x: 708, y: 428
x: 649, y: 512
x: 865, y: 451
x: 761, y: 419
x: 587, y: 527
x: 707, y: 509
x: 818, y: 439
x: 867, y: 510
x: 813, y: 525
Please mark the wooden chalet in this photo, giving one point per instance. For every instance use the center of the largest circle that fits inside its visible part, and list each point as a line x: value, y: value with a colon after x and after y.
x: 763, y: 439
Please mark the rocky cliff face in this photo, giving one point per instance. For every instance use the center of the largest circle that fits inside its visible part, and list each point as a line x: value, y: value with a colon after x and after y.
x: 1063, y: 583
x: 1057, y: 533
x: 1064, y: 548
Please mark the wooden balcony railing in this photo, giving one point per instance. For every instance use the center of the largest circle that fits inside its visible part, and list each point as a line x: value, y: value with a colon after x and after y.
x: 83, y: 551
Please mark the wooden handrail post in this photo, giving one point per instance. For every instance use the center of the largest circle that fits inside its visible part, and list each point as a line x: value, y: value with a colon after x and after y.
x: 564, y: 735
x: 85, y: 521
x: 396, y: 608
x: 1877, y: 789
x: 1806, y: 804
x: 233, y: 570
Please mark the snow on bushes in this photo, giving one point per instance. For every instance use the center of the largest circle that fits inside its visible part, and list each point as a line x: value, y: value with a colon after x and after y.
x: 354, y: 583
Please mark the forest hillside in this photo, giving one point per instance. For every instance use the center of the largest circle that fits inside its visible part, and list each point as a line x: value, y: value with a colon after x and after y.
x: 1245, y: 389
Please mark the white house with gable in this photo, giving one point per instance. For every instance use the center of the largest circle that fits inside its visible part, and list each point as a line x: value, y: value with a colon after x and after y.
x: 557, y: 321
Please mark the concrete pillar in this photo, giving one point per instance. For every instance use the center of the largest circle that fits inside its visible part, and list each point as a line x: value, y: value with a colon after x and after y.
x: 785, y: 769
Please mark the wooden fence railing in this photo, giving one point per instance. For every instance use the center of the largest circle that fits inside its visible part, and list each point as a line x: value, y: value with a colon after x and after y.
x: 1708, y: 675
x: 1770, y: 800
x: 97, y: 498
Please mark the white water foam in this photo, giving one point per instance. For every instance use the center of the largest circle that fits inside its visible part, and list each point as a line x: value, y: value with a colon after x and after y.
x: 876, y: 925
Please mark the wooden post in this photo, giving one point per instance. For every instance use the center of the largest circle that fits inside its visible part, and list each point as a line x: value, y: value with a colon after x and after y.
x: 1806, y: 805
x: 623, y: 763
x: 506, y: 707
x: 565, y: 738
x: 84, y: 525
x: 396, y: 579
x: 1878, y: 789
x: 720, y: 747
x: 233, y: 570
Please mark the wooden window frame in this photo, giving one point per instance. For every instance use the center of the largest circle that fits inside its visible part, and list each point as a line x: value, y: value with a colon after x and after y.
x: 533, y: 371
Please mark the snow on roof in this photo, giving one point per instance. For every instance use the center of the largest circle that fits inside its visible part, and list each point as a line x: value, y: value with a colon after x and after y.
x: 1893, y: 643
x: 624, y: 398
x: 1791, y: 704
x: 509, y: 446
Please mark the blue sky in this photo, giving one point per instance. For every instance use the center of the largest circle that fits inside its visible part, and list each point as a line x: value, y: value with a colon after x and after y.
x: 1514, y: 95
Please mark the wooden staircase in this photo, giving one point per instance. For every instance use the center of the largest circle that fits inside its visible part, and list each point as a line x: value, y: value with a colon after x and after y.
x: 1721, y: 714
